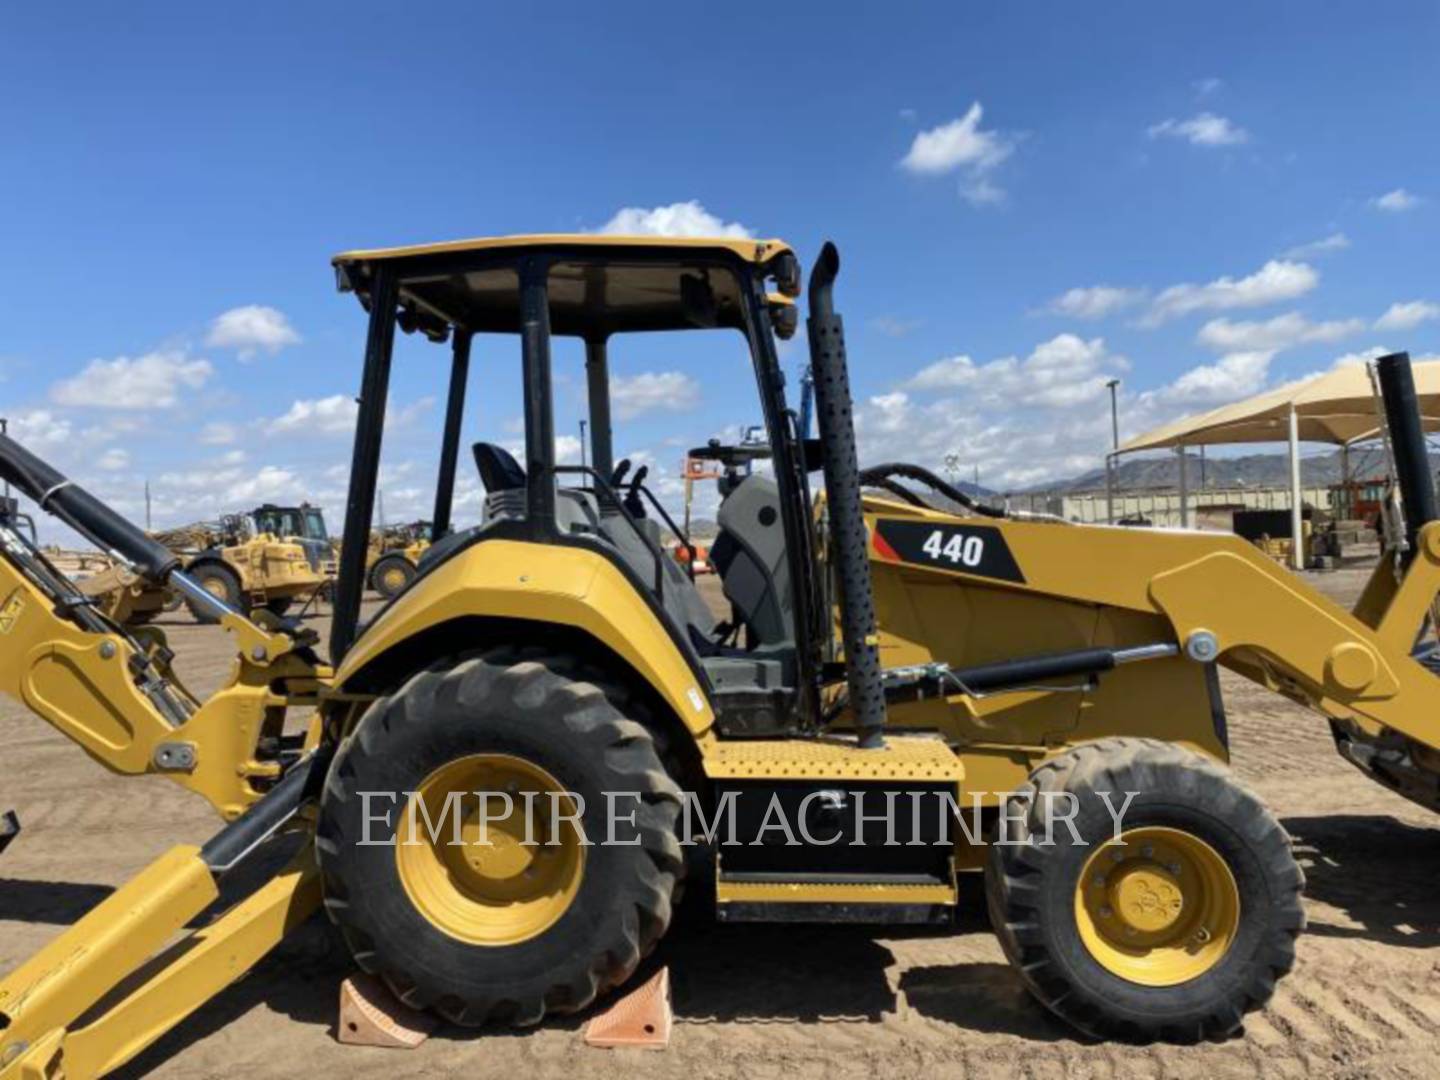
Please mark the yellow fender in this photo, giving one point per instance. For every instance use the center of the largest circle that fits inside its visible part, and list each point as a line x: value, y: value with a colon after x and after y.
x: 556, y: 584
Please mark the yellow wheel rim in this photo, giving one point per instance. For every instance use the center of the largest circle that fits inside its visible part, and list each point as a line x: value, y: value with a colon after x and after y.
x: 393, y: 579
x: 509, y: 877
x: 216, y: 588
x: 1158, y: 907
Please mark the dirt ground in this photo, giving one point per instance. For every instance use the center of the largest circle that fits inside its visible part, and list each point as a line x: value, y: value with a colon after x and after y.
x: 795, y: 1002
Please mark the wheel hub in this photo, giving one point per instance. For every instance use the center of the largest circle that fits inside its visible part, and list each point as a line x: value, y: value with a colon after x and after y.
x: 496, y: 876
x: 1157, y: 906
x: 1146, y: 898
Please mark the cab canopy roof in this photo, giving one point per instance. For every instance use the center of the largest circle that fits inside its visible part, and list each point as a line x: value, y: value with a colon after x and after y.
x: 598, y: 284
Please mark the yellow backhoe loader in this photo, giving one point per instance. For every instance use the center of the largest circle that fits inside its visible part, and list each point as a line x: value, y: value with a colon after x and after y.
x: 464, y: 751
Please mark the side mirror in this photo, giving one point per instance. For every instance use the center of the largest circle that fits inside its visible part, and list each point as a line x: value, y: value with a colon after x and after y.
x: 784, y: 316
x: 785, y: 269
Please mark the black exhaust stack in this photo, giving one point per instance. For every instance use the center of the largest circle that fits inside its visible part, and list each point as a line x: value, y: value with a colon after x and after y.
x: 1407, y: 442
x: 848, y: 541
x: 84, y: 513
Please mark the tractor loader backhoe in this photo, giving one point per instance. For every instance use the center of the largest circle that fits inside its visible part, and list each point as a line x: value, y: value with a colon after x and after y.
x: 880, y: 652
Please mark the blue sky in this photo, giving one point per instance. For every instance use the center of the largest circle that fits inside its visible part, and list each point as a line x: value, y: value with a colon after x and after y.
x: 1029, y: 198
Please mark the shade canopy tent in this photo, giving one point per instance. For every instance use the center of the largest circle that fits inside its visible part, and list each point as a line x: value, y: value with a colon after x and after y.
x: 1339, y: 408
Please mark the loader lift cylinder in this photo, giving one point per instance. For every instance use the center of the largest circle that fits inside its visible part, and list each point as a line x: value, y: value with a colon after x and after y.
x: 848, y: 540
x: 1407, y: 440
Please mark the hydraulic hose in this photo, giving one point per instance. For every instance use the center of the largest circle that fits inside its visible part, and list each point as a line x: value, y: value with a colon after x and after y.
x: 848, y: 541
x: 84, y: 513
x: 876, y: 475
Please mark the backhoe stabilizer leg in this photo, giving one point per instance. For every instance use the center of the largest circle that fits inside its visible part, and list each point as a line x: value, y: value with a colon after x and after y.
x: 67, y: 977
x: 159, y: 992
x: 122, y: 966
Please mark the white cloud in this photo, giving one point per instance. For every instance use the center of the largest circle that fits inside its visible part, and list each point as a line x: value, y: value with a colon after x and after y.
x: 1282, y: 332
x: 1231, y: 377
x: 1095, y: 302
x: 677, y: 219
x: 1334, y: 242
x: 113, y: 459
x: 270, y: 483
x: 567, y: 450
x: 1064, y: 371
x: 251, y: 330
x: 1407, y: 315
x: 1204, y: 129
x: 1364, y: 356
x: 219, y: 433
x: 1205, y: 87
x: 39, y: 429
x: 1396, y: 201
x: 962, y: 145
x: 333, y: 415
x: 653, y: 391
x: 152, y: 381
x: 1276, y: 281
x: 336, y: 415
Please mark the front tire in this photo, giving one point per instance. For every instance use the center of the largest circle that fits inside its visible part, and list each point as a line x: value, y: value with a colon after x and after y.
x: 1175, y: 931
x: 500, y: 932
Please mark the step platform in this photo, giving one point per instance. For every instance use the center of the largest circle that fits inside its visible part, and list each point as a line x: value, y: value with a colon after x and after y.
x: 824, y: 831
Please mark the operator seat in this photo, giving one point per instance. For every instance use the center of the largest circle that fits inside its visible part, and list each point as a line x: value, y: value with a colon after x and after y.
x: 749, y: 555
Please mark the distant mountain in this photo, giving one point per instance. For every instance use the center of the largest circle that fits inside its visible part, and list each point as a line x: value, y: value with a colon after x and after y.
x: 1251, y: 470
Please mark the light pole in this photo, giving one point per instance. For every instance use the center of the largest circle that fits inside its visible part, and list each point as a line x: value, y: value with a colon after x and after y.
x: 584, y: 461
x: 1110, y: 457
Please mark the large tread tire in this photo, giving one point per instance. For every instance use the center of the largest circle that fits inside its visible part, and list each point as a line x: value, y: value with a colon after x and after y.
x: 396, y: 566
x: 1030, y: 891
x: 567, y: 719
x: 223, y: 578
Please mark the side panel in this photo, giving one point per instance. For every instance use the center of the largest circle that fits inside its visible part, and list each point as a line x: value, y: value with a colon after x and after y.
x: 556, y: 584
x: 967, y: 591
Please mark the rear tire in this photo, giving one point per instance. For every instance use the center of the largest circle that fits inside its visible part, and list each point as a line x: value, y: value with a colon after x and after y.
x: 220, y: 582
x: 1095, y: 955
x: 543, y: 710
x: 392, y: 575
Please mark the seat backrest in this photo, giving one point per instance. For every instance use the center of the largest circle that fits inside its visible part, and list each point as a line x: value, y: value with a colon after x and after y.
x: 499, y: 471
x: 749, y: 553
